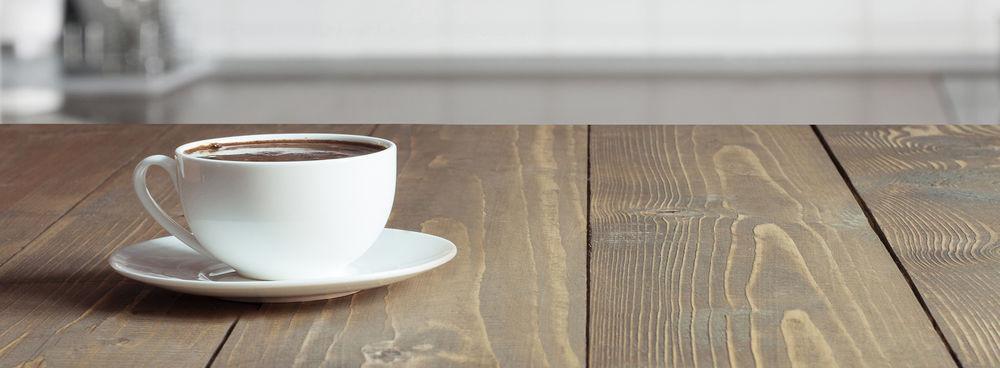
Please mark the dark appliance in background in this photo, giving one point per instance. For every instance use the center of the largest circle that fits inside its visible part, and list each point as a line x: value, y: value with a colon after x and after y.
x: 123, y: 37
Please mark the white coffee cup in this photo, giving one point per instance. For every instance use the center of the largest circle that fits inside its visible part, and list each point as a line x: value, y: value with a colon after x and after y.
x: 278, y: 220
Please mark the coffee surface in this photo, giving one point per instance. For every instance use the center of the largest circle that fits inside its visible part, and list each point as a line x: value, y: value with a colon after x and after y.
x: 283, y: 150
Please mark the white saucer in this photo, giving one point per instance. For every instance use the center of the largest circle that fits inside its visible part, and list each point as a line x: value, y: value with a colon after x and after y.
x: 168, y: 263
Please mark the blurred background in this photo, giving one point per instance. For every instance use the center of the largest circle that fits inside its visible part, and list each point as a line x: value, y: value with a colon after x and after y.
x: 512, y: 61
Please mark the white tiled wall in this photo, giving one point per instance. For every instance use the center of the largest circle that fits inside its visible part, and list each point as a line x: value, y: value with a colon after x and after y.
x: 317, y: 28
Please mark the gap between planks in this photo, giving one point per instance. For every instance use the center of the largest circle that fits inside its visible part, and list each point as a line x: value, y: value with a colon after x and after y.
x: 586, y: 329
x: 229, y: 332
x: 873, y: 223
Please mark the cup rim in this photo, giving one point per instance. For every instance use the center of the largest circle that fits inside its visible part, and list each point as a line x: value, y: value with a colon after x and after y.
x: 390, y: 147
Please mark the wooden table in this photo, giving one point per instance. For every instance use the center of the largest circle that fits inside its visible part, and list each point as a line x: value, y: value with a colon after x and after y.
x: 609, y: 245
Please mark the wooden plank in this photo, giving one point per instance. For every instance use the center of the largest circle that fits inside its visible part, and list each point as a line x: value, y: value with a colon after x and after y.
x: 513, y: 200
x: 935, y: 193
x: 39, y: 181
x: 739, y: 246
x: 62, y: 305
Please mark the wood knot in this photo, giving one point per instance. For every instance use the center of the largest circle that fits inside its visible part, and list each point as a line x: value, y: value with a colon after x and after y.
x: 384, y: 352
x: 438, y: 162
x: 387, y: 355
x: 120, y: 341
x: 667, y: 212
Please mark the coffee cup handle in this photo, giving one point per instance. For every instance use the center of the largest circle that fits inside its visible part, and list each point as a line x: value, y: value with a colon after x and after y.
x: 154, y: 209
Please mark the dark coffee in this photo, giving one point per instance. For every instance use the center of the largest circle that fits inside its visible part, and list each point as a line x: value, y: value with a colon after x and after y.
x: 283, y: 150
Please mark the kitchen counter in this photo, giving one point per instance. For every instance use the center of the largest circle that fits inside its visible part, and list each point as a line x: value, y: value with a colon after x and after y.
x: 518, y: 99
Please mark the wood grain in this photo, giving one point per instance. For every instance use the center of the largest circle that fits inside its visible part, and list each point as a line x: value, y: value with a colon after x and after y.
x: 46, y: 169
x: 62, y: 305
x: 740, y: 246
x: 935, y: 193
x: 513, y: 201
